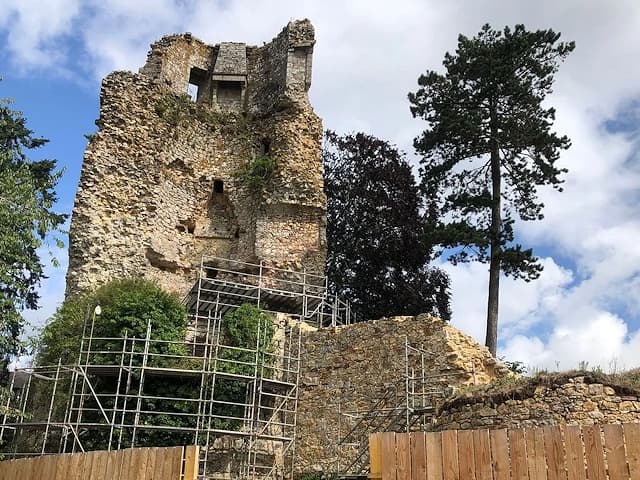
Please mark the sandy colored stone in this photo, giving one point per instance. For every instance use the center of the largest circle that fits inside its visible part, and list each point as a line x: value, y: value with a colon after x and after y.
x: 159, y: 183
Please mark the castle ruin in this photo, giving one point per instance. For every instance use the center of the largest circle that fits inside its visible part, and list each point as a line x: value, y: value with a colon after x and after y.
x: 212, y: 154
x: 209, y: 150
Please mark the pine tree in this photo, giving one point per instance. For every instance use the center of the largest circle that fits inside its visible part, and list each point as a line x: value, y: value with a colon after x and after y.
x: 488, y: 146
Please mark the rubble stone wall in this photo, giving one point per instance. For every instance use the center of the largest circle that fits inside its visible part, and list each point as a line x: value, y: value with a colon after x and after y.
x: 579, y: 400
x: 350, y: 369
x: 147, y: 203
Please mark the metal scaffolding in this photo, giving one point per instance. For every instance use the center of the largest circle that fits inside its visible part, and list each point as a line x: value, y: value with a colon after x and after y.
x: 126, y: 392
x: 403, y: 406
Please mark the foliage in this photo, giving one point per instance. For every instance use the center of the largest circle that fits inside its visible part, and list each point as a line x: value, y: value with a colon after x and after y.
x: 515, y: 366
x: 258, y: 172
x: 177, y: 110
x: 489, y: 145
x: 27, y: 197
x: 244, y: 329
x: 378, y: 251
x: 174, y: 109
x: 127, y: 305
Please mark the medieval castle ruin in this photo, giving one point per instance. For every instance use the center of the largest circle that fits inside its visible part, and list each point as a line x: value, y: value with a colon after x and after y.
x: 205, y: 175
x: 161, y: 182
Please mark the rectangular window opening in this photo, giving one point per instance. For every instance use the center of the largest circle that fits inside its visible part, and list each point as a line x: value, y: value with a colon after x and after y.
x: 197, y: 78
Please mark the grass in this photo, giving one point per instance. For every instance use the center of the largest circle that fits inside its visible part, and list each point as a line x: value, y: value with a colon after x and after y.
x: 518, y: 388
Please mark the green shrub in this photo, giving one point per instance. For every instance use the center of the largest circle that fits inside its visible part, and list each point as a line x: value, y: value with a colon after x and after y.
x: 127, y: 306
x: 247, y: 327
x: 258, y: 172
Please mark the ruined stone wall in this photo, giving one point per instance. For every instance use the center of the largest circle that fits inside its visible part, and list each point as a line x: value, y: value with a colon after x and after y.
x: 349, y: 369
x: 577, y: 400
x: 159, y: 185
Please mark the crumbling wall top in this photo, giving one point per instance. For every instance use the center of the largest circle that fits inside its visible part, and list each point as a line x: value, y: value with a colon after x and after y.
x: 235, y: 76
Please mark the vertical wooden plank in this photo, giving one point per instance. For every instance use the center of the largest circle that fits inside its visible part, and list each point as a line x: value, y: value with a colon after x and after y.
x: 27, y: 469
x: 134, y: 463
x: 388, y: 456
x: 403, y: 461
x: 418, y: 456
x: 75, y: 466
x: 84, y: 465
x: 518, y: 453
x: 450, y: 468
x: 482, y: 454
x: 632, y: 441
x: 375, y: 456
x: 167, y: 465
x: 17, y: 469
x: 158, y: 471
x: 594, y: 452
x: 466, y: 460
x: 192, y: 453
x: 99, y: 466
x: 178, y: 465
x: 554, y: 451
x: 62, y: 466
x: 36, y: 467
x: 541, y: 456
x: 111, y: 467
x: 6, y: 470
x: 500, y: 454
x: 434, y: 456
x: 14, y: 470
x: 151, y: 463
x: 575, y: 453
x: 614, y: 451
x: 530, y: 440
x: 52, y: 466
x: 125, y: 465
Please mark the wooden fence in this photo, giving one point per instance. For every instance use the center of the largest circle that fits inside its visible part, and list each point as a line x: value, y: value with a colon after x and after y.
x: 172, y: 463
x: 595, y: 452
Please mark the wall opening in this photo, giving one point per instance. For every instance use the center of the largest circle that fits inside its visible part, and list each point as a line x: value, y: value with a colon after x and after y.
x: 266, y: 146
x: 218, y: 186
x: 197, y: 79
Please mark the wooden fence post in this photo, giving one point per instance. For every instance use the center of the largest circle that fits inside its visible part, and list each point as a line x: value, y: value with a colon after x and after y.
x: 191, y: 455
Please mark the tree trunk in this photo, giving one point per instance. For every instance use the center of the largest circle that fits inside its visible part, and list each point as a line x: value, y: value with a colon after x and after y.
x: 491, y: 340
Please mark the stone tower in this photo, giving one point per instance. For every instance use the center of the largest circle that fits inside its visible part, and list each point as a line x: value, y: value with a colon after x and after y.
x: 167, y: 178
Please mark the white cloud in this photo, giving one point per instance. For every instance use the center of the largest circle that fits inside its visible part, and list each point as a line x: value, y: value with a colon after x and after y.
x: 36, y: 31
x: 367, y: 57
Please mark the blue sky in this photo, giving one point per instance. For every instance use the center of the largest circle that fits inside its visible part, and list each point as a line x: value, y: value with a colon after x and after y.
x: 369, y: 53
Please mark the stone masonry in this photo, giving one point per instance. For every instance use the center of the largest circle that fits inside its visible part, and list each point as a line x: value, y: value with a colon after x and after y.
x: 351, y: 368
x: 569, y: 399
x: 161, y: 181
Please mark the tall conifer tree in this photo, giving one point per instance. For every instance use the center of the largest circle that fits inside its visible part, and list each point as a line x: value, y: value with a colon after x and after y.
x: 489, y: 145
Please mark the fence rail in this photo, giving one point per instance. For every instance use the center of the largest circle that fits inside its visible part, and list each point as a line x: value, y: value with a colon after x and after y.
x: 171, y: 463
x: 593, y: 452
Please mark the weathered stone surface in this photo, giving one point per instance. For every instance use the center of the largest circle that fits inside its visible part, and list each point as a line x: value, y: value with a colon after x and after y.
x: 351, y: 368
x: 575, y: 402
x: 159, y: 185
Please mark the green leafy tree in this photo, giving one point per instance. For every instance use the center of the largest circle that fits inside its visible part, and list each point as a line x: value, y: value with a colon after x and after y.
x: 27, y: 197
x: 489, y: 145
x: 377, y: 254
x: 127, y: 305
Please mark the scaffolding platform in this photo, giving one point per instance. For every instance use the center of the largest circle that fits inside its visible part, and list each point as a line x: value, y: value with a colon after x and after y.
x: 223, y: 285
x: 108, y: 398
